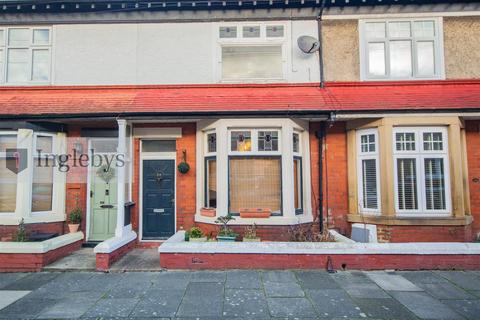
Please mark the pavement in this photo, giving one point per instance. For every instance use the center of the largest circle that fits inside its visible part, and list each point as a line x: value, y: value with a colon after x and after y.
x: 241, y: 294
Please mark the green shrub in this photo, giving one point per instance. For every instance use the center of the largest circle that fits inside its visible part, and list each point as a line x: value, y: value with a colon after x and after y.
x: 21, y: 234
x: 195, y: 233
x: 75, y: 216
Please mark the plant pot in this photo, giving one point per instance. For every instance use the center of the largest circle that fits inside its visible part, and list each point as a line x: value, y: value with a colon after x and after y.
x: 251, y: 240
x: 255, y: 213
x: 208, y: 212
x: 226, y: 238
x: 202, y: 239
x: 72, y: 228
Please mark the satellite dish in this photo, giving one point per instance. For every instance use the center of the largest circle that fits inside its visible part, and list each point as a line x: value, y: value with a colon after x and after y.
x: 308, y: 44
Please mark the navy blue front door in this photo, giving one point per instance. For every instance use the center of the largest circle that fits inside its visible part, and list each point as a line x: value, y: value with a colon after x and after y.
x: 158, y: 198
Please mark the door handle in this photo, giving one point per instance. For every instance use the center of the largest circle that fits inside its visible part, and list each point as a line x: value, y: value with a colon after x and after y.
x: 106, y: 206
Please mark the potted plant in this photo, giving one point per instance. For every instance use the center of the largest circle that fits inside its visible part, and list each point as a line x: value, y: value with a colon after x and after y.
x: 196, y: 235
x: 225, y: 233
x: 250, y: 234
x: 208, y: 212
x: 75, y: 217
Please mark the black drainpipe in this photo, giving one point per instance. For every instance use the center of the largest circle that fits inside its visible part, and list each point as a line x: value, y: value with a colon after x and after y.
x: 320, y: 42
x: 321, y: 134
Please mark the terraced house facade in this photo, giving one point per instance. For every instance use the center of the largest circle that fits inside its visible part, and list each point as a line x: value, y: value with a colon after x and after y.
x: 156, y: 116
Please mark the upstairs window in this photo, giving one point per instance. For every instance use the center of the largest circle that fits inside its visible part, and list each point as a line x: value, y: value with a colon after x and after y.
x: 401, y: 49
x: 25, y: 55
x: 251, y: 52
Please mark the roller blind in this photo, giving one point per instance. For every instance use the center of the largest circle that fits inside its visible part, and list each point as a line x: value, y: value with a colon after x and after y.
x: 407, y: 184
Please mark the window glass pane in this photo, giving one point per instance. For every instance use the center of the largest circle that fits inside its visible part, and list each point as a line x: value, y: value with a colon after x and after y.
x: 8, y: 188
x: 211, y: 183
x: 255, y: 182
x: 401, y: 58
x: 432, y: 141
x: 367, y: 142
x: 376, y: 59
x: 251, y: 32
x: 7, y: 141
x: 104, y: 145
x: 41, y: 36
x: 212, y: 142
x: 274, y: 31
x: 19, y: 37
x: 435, y: 184
x: 399, y: 29
x: 159, y: 146
x: 375, y: 29
x: 296, y: 142
x: 17, y: 66
x: 426, y: 58
x: 424, y: 29
x: 297, y: 183
x: 407, y: 184
x: 1, y: 65
x: 405, y: 141
x: 40, y: 65
x: 252, y: 62
x: 369, y: 179
x: 228, y: 32
x: 2, y: 38
x: 241, y: 141
x: 268, y: 141
x: 42, y: 188
x: 44, y: 144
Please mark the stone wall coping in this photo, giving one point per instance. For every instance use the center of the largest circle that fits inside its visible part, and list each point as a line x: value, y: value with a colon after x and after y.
x: 112, y: 244
x: 42, y: 246
x: 177, y: 244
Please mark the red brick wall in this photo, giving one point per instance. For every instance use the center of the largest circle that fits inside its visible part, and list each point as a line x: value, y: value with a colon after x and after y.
x: 7, y: 232
x: 104, y: 261
x: 186, y: 190
x: 335, y: 183
x: 424, y: 233
x: 473, y: 157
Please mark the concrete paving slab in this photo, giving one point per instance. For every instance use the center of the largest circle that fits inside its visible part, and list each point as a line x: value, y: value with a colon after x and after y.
x: 26, y: 308
x: 468, y: 308
x: 366, y: 290
x: 209, y: 276
x: 171, y: 279
x: 80, y: 260
x: 8, y: 297
x: 112, y: 308
x: 385, y: 309
x: 68, y: 308
x: 283, y: 289
x: 421, y: 276
x: 316, y: 280
x: 424, y: 306
x: 32, y: 281
x: 392, y: 282
x: 243, y: 279
x: 8, y: 278
x: 290, y: 307
x: 278, y: 276
x: 446, y: 291
x: 202, y: 300
x: 330, y: 303
x: 466, y: 280
x: 138, y: 260
x: 245, y: 304
x: 159, y: 303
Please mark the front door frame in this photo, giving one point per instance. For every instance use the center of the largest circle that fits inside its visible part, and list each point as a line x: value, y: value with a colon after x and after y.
x: 155, y: 156
x: 89, y: 189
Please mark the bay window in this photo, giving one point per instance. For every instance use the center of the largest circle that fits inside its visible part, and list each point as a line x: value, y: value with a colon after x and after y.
x: 43, y: 173
x: 254, y: 165
x: 25, y: 55
x: 401, y: 49
x: 8, y: 179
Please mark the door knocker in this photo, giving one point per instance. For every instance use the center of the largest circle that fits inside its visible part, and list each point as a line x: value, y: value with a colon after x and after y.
x: 158, y: 176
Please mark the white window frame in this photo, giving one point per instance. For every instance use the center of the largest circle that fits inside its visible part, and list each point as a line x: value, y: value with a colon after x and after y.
x: 419, y: 155
x: 368, y: 156
x: 3, y: 155
x: 240, y: 41
x: 438, y: 44
x: 54, y: 171
x: 208, y: 156
x: 5, y: 47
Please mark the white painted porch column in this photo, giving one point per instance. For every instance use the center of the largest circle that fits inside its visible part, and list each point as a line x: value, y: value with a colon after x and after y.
x: 121, y: 150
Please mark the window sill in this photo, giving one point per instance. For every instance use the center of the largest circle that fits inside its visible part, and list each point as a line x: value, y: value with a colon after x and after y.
x: 411, y: 221
x: 271, y: 221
